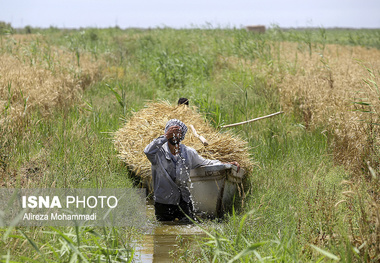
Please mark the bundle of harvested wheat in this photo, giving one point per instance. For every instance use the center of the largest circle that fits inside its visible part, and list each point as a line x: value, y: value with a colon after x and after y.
x: 149, y: 123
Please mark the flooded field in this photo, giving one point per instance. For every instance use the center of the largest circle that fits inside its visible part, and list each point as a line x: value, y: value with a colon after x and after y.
x: 162, y: 240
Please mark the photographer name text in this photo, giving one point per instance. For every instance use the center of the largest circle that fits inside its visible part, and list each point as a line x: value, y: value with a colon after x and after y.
x: 59, y: 217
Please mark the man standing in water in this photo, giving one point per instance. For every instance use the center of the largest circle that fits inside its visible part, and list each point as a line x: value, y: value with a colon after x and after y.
x: 171, y: 164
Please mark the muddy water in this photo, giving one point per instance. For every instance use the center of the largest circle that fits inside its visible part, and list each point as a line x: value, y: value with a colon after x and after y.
x: 162, y: 239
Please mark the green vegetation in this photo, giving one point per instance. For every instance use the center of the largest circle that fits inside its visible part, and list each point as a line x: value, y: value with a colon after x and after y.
x: 5, y: 28
x: 291, y: 211
x: 74, y: 244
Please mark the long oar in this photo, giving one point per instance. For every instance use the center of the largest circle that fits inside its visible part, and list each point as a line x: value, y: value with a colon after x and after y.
x: 256, y: 119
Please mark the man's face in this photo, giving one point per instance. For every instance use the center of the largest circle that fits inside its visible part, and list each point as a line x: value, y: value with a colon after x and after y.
x: 173, y: 141
x: 177, y: 133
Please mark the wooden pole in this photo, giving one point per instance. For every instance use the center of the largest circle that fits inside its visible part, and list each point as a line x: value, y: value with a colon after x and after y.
x: 201, y: 138
x: 256, y: 119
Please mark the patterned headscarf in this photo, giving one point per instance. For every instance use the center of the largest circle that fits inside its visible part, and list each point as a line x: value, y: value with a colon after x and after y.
x: 175, y: 122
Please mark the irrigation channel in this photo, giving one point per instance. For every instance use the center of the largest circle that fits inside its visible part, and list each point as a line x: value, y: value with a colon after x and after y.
x: 163, y: 239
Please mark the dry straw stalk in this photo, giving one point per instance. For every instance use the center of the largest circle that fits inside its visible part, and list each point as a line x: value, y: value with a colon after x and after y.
x: 149, y: 123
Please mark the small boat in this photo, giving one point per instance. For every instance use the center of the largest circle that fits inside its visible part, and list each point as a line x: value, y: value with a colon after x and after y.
x: 214, y: 188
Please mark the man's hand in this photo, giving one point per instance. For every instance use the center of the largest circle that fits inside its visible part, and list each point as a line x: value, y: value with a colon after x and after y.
x: 174, y: 132
x: 236, y: 164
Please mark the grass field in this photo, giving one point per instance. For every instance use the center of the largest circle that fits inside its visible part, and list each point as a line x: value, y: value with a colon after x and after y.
x: 314, y: 196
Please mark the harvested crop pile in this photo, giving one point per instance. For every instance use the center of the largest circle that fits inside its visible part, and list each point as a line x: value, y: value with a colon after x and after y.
x: 149, y: 123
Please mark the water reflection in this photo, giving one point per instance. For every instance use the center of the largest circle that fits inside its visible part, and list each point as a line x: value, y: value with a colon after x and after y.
x: 162, y: 239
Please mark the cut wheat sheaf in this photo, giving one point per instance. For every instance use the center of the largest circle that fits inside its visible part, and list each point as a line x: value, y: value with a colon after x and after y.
x: 149, y: 123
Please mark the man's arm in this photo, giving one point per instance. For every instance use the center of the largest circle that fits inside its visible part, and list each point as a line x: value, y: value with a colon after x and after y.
x: 152, y: 148
x: 197, y: 160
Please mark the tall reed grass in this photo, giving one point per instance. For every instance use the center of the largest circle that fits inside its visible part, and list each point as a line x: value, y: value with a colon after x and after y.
x: 74, y: 244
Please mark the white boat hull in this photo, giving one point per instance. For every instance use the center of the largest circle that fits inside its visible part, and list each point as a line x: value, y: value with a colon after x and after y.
x: 213, y: 188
